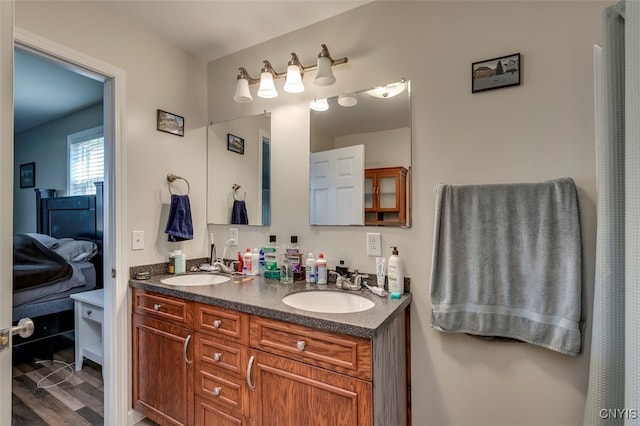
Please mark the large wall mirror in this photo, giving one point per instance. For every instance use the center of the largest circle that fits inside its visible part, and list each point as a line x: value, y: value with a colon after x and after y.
x: 239, y: 171
x: 360, y: 161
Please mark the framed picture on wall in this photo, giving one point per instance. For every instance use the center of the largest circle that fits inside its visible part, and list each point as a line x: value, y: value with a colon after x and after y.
x: 495, y: 73
x: 170, y: 123
x: 27, y: 175
x: 235, y: 144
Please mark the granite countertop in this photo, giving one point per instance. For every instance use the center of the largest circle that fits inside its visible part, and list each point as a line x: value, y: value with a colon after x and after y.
x: 264, y: 297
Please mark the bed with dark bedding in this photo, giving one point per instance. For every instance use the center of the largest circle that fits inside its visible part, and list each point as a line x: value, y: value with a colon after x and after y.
x: 63, y: 257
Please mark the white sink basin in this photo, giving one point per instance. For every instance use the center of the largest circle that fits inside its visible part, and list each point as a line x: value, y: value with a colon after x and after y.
x: 195, y: 279
x: 328, y: 302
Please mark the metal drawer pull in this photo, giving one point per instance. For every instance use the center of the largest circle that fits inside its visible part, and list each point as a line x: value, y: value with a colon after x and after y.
x: 300, y: 345
x: 217, y: 324
x: 249, y: 366
x: 217, y: 390
x: 89, y: 312
x: 156, y: 307
x: 217, y: 356
x: 184, y: 349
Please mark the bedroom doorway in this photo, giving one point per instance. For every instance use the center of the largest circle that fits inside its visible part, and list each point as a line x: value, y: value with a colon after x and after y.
x: 59, y: 142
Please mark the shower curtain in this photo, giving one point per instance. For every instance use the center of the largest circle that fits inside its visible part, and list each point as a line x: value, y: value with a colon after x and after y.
x: 614, y: 376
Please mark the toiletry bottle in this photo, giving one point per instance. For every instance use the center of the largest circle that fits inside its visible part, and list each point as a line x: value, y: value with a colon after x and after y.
x: 261, y: 263
x: 247, y: 263
x: 380, y: 271
x: 286, y: 270
x: 294, y: 254
x: 310, y: 267
x: 395, y: 272
x: 240, y: 261
x: 321, y: 269
x: 178, y: 257
x: 172, y: 264
x: 271, y: 259
x: 255, y: 262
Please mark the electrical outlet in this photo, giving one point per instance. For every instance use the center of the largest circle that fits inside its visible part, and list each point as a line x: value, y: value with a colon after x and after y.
x: 233, y: 236
x: 137, y: 240
x: 374, y: 244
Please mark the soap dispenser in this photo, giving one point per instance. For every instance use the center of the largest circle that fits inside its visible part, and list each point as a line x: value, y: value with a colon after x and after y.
x: 395, y: 272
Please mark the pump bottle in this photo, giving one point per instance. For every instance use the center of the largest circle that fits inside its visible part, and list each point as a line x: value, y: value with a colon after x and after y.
x: 395, y: 272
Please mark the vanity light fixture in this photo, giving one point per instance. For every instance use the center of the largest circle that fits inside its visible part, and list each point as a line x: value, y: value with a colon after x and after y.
x: 347, y: 99
x: 388, y: 91
x: 319, y: 104
x: 267, y: 89
x: 295, y: 71
x: 294, y: 75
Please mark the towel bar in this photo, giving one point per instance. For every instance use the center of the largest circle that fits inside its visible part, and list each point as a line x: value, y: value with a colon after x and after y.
x: 172, y: 178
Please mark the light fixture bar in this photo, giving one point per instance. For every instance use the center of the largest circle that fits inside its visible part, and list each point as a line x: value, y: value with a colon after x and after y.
x: 294, y: 60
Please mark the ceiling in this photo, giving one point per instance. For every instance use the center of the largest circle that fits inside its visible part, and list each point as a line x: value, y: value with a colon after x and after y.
x: 44, y: 91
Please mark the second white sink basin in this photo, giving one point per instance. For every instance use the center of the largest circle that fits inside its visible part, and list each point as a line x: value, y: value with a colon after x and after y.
x: 328, y: 302
x: 195, y: 279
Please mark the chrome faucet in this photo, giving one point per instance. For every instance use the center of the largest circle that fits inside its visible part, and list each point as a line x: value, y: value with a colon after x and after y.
x: 347, y: 284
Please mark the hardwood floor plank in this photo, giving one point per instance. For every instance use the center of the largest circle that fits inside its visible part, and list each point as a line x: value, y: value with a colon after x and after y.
x: 96, y: 404
x: 89, y: 378
x: 58, y: 392
x: 22, y: 415
x: 45, y: 405
x: 91, y: 416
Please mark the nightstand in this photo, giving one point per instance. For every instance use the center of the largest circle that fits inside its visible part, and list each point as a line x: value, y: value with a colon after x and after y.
x: 89, y: 314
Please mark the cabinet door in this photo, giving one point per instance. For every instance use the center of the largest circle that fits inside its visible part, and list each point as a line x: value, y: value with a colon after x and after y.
x: 162, y: 371
x: 288, y: 392
x: 208, y: 414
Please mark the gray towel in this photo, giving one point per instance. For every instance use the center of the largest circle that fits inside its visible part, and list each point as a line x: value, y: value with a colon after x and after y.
x: 507, y: 263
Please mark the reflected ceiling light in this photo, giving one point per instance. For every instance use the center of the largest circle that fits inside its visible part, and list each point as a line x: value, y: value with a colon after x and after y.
x: 294, y: 75
x: 319, y: 104
x: 388, y: 91
x: 267, y: 89
x: 347, y: 100
x: 293, y: 83
x: 243, y: 94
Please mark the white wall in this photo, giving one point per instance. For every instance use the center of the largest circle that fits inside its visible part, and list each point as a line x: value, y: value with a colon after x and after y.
x: 46, y: 145
x: 387, y: 148
x: 158, y: 76
x: 539, y: 130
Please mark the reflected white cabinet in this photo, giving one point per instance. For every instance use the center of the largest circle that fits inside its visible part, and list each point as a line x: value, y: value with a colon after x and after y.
x: 385, y: 196
x: 89, y: 315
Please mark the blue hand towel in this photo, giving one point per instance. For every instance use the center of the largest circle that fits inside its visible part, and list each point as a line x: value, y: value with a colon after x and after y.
x: 179, y: 225
x: 239, y: 213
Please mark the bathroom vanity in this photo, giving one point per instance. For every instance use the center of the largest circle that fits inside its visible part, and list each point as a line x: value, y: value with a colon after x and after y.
x: 235, y: 354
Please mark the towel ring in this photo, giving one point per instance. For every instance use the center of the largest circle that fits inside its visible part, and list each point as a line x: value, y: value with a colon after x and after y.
x: 235, y: 188
x: 172, y: 178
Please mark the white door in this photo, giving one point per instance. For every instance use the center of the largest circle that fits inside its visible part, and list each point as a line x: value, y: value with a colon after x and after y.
x: 337, y: 179
x: 6, y: 199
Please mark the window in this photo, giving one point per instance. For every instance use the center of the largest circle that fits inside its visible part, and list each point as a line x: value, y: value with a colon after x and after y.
x: 86, y: 161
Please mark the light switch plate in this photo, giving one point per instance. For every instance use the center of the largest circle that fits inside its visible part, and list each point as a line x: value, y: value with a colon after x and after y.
x: 137, y: 240
x: 374, y: 244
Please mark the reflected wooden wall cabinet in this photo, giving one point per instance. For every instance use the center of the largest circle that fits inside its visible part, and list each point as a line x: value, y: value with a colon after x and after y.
x: 385, y: 196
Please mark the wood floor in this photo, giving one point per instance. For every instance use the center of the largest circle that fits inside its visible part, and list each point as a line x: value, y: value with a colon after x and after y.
x: 77, y: 401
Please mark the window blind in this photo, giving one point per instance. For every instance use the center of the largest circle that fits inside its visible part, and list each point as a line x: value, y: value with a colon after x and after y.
x: 86, y: 163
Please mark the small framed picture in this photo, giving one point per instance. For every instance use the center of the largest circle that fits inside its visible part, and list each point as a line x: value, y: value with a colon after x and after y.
x: 27, y: 175
x: 170, y: 123
x: 235, y: 144
x: 495, y: 73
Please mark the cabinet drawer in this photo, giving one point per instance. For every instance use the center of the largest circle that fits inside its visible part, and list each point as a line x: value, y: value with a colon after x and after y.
x: 223, y: 390
x: 166, y: 308
x: 93, y: 313
x: 209, y: 414
x: 223, y: 323
x: 341, y: 353
x: 223, y: 355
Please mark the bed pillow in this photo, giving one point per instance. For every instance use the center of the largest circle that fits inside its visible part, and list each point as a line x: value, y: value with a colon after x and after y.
x: 45, y: 240
x: 75, y: 250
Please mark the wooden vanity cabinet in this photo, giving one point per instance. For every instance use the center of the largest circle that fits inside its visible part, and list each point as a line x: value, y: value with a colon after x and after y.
x: 385, y: 196
x: 250, y: 370
x: 162, y: 358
